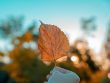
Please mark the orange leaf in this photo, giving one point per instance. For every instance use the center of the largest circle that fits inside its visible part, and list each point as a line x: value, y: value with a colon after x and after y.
x: 52, y: 42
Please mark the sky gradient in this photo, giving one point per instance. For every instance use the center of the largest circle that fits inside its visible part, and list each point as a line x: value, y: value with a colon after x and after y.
x: 66, y: 14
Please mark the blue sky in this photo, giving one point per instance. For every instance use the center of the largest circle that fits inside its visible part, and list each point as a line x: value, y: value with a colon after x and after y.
x: 60, y: 12
x: 64, y: 13
x: 56, y: 11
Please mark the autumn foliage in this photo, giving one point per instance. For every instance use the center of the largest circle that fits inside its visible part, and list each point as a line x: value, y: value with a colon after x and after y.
x: 52, y: 42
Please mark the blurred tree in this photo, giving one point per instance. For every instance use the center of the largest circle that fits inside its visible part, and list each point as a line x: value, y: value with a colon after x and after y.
x: 107, y: 45
x: 1, y: 62
x: 11, y: 27
x: 105, y: 80
x: 33, y: 28
x: 87, y: 66
x: 88, y: 26
x: 26, y: 66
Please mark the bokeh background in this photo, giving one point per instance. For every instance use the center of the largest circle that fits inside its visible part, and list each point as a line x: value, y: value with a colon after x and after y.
x: 86, y: 24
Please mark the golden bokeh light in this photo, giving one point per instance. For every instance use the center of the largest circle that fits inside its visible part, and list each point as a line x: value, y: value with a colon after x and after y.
x: 75, y: 59
x: 108, y: 75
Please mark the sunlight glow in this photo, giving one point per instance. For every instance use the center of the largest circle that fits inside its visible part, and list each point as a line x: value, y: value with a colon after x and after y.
x: 6, y: 59
x: 74, y: 59
x: 109, y: 75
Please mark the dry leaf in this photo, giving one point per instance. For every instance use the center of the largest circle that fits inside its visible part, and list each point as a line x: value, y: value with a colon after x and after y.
x: 52, y: 42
